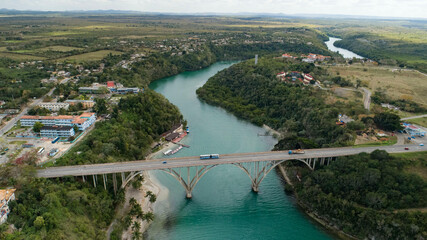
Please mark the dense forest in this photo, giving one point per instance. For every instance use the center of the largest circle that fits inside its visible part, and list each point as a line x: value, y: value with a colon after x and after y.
x: 254, y: 93
x: 366, y: 196
x: 68, y: 208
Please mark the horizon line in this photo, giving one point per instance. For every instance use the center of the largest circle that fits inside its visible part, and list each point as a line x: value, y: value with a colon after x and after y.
x: 301, y: 15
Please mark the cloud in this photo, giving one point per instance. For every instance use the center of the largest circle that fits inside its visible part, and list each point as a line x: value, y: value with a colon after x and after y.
x: 392, y: 8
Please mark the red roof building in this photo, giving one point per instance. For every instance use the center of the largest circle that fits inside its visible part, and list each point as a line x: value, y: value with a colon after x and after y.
x: 110, y: 84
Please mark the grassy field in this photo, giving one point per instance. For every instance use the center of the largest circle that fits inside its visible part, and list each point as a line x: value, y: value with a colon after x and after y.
x: 92, y: 56
x: 58, y: 48
x: 20, y: 57
x: 18, y: 142
x: 418, y: 121
x: 408, y: 85
x: 391, y: 141
x: 417, y: 163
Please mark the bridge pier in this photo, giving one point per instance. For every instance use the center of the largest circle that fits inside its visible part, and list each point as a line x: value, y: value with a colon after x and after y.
x: 190, y: 181
x: 255, y: 188
x: 114, y: 183
x: 188, y: 194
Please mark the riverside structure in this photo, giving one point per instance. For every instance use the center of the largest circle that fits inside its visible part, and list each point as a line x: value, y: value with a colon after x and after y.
x: 255, y: 165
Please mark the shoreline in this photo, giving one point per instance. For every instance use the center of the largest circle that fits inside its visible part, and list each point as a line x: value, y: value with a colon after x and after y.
x: 325, y: 224
x: 150, y: 183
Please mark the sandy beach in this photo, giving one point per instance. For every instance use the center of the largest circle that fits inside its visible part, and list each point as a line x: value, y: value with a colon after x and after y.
x: 150, y: 184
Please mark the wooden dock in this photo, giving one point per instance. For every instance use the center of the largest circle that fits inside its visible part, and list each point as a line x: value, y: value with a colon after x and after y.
x: 181, y: 144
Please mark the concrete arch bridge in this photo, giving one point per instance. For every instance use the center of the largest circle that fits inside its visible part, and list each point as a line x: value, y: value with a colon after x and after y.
x: 189, y: 170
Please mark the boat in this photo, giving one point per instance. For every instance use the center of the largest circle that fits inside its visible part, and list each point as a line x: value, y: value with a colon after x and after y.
x: 176, y: 150
x: 168, y: 152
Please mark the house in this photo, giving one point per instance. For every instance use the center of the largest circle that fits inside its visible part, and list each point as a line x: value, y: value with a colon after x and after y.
x: 172, y: 136
x: 57, y: 131
x: 85, y: 103
x: 286, y: 55
x: 389, y: 106
x: 11, y: 111
x: 6, y: 195
x: 111, y: 84
x: 54, y: 106
x: 307, y: 78
x: 281, y: 75
x: 308, y: 60
x: 343, y: 119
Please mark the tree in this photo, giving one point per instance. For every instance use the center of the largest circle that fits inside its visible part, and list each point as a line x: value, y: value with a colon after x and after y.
x: 37, y: 127
x: 101, y: 106
x: 388, y: 121
x: 358, y: 83
x: 149, y: 216
x: 79, y: 106
x: 356, y: 125
x: 76, y: 129
x: 62, y: 111
x: 151, y: 195
x: 39, y: 222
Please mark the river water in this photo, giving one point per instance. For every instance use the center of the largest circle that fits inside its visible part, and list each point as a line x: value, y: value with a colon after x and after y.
x: 344, y: 52
x: 223, y: 205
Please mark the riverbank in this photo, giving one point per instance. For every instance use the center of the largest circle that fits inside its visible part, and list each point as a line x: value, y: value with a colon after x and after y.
x: 150, y: 183
x: 312, y: 215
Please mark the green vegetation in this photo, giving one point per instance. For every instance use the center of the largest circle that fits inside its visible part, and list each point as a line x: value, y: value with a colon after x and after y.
x: 418, y: 121
x: 37, y: 127
x: 401, y: 88
x: 390, y: 141
x: 388, y: 121
x: 136, y: 122
x: 387, y: 51
x: 254, y: 93
x: 92, y: 56
x: 404, y: 104
x: 366, y: 196
x: 70, y: 209
x: 17, y: 86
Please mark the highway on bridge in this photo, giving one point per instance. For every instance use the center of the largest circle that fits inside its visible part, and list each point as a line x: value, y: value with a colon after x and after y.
x: 119, y: 167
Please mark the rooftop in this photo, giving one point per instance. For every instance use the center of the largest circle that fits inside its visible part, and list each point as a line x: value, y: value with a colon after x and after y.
x: 5, y: 194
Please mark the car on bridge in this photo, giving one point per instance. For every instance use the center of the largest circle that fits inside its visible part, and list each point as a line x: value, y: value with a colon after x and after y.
x: 164, y: 162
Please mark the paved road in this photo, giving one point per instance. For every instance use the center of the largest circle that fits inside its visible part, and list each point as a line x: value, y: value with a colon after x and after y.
x: 419, y: 116
x: 84, y: 170
x: 367, y: 99
x: 24, y: 111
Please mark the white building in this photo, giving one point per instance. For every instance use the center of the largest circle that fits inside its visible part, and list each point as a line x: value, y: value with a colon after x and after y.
x: 127, y: 90
x: 57, y: 131
x: 54, y: 106
x: 6, y: 195
x: 82, y: 122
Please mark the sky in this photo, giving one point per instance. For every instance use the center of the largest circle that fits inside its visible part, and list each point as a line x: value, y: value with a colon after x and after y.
x: 382, y: 8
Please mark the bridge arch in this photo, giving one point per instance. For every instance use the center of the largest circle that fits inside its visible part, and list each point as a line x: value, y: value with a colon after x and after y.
x: 260, y: 171
x: 188, y: 183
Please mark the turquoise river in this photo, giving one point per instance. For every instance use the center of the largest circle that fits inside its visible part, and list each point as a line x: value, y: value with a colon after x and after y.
x: 223, y: 205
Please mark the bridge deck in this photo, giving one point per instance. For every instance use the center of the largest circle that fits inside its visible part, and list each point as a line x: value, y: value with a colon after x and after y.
x: 118, y: 167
